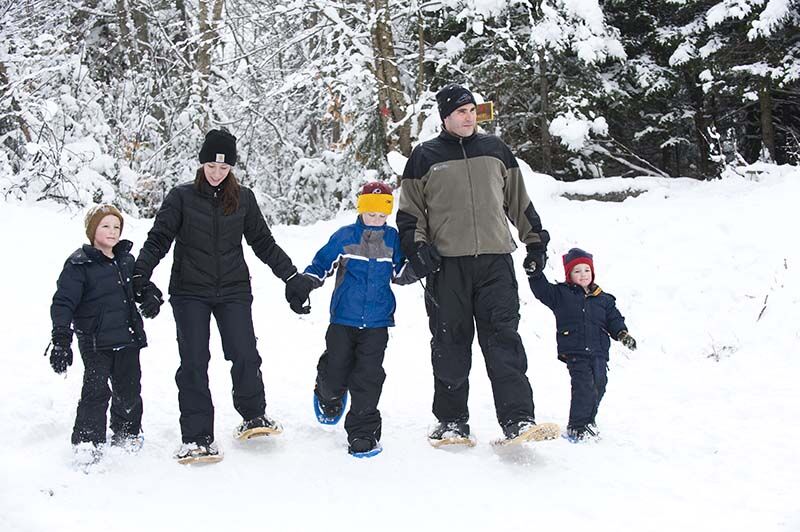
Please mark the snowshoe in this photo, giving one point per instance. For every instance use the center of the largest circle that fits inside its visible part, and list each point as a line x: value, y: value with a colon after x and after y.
x: 260, y: 426
x: 329, y: 413
x: 525, y: 431
x: 131, y: 443
x: 364, y: 448
x: 198, y: 453
x: 86, y: 455
x: 581, y: 434
x: 451, y: 433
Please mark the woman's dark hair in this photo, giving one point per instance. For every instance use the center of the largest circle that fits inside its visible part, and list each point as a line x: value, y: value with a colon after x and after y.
x: 230, y: 190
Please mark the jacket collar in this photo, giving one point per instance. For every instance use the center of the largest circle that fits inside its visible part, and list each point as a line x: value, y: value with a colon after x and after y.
x: 449, y: 137
x: 206, y: 189
x: 89, y: 253
x: 361, y: 225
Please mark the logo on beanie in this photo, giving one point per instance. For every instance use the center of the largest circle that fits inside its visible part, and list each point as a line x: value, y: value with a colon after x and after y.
x: 220, y: 157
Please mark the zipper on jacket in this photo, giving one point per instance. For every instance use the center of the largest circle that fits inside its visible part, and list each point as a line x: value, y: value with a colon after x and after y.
x: 215, y: 216
x: 471, y: 194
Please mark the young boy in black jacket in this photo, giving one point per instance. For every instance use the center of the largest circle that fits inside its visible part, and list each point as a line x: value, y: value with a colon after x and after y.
x: 94, y: 297
x: 585, y: 318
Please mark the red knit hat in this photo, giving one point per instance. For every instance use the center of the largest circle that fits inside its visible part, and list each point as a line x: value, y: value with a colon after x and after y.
x: 574, y: 257
x: 376, y: 196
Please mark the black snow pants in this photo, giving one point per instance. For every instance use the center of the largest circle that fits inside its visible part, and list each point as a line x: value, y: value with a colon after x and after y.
x: 122, y: 368
x: 235, y: 323
x: 589, y: 377
x: 483, y: 289
x: 353, y: 360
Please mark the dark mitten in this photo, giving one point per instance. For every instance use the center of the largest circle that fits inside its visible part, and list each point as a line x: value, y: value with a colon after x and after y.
x: 61, y: 353
x: 426, y: 260
x: 627, y: 340
x: 298, y: 286
x: 535, y: 260
x: 150, y: 300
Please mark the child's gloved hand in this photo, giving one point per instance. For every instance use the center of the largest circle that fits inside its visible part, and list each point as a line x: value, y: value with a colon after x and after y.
x: 627, y: 340
x: 61, y: 353
x: 535, y: 260
x: 298, y: 286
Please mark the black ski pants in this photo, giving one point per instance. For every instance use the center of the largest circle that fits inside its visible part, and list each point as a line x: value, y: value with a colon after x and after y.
x: 122, y: 368
x: 470, y: 293
x: 589, y: 376
x: 353, y: 360
x: 235, y: 323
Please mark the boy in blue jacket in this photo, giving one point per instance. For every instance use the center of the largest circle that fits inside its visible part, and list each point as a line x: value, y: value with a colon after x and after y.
x: 94, y: 297
x: 368, y: 257
x: 585, y: 318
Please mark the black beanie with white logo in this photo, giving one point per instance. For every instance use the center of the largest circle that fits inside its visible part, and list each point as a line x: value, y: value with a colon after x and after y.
x: 218, y: 147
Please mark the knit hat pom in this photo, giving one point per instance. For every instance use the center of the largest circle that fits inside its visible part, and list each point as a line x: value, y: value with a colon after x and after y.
x: 574, y: 257
x: 376, y: 197
x: 95, y: 215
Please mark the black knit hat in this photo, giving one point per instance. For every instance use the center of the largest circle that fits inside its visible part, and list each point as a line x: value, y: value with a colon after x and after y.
x: 219, y: 147
x: 451, y: 97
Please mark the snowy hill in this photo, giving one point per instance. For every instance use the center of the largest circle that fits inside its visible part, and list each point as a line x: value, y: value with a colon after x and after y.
x: 698, y: 424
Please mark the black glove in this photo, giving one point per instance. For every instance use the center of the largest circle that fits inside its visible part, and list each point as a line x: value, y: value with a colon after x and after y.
x: 298, y: 286
x: 627, y: 340
x: 61, y: 353
x: 149, y: 299
x: 425, y: 260
x: 535, y: 260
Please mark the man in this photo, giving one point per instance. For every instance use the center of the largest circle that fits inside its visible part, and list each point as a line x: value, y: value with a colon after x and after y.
x: 456, y: 194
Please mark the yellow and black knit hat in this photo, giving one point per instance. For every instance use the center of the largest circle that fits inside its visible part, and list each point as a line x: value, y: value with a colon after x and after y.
x: 376, y: 197
x: 97, y: 213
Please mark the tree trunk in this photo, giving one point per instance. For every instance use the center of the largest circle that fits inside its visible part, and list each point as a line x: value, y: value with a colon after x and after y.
x: 420, y: 65
x: 208, y: 21
x: 391, y: 98
x: 701, y: 124
x: 544, y: 90
x: 767, y: 124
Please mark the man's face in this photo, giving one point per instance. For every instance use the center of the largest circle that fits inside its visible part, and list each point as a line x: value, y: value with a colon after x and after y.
x: 461, y: 122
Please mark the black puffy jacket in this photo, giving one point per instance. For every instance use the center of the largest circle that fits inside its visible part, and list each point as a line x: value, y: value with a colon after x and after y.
x: 209, y: 259
x: 94, y: 294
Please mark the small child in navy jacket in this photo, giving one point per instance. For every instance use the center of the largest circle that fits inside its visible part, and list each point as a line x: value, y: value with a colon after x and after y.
x: 585, y: 318
x: 368, y: 256
x: 94, y: 297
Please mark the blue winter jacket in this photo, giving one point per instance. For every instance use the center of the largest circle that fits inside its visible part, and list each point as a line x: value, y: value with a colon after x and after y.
x: 368, y: 260
x: 584, y: 321
x: 94, y: 295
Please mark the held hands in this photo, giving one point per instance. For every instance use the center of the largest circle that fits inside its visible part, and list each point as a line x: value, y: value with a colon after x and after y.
x: 426, y: 260
x: 148, y: 296
x: 61, y: 353
x: 298, y: 286
x: 535, y: 260
x: 627, y: 340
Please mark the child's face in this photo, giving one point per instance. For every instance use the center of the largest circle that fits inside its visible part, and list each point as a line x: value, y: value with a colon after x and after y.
x: 373, y: 219
x: 216, y: 172
x: 107, y: 233
x: 581, y: 275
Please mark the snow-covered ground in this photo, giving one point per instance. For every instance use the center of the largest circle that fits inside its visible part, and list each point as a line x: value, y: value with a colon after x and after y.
x: 699, y: 429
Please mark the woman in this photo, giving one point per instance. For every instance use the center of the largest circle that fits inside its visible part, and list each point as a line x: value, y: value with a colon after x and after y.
x: 207, y: 219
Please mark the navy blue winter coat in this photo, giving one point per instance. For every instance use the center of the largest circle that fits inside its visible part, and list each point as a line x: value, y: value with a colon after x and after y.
x: 583, y: 321
x: 369, y: 259
x: 94, y: 294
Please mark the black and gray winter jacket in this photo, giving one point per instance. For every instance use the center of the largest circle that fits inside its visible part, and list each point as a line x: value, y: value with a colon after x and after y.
x: 459, y: 193
x: 209, y: 259
x: 94, y: 296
